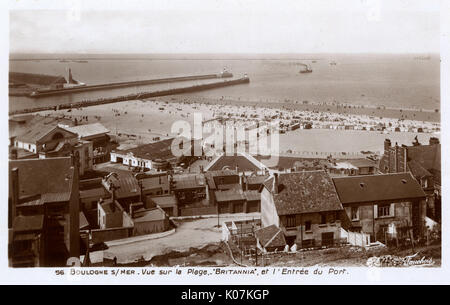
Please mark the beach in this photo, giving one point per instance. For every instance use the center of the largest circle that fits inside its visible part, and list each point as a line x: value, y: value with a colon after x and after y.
x: 139, y: 122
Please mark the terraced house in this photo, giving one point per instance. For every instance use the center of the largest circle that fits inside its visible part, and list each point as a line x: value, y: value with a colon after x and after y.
x: 304, y: 205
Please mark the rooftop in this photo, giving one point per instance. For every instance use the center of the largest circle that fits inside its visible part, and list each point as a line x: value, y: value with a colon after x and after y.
x: 232, y: 162
x: 42, y: 176
x: 165, y: 200
x: 126, y: 184
x: 188, y: 182
x: 88, y: 130
x: 161, y: 150
x: 270, y: 236
x: 356, y: 189
x: 28, y: 223
x: 304, y: 192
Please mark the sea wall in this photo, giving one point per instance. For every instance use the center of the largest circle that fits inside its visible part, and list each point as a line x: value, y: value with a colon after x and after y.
x: 142, y: 95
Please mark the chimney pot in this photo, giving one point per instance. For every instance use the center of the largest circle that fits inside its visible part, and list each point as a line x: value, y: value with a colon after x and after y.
x: 275, y: 183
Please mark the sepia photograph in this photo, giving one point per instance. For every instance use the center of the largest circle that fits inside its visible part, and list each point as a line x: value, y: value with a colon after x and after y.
x: 216, y: 138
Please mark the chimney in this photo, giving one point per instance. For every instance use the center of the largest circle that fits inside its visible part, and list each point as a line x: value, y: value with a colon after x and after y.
x: 275, y: 183
x: 434, y: 141
x: 15, y: 193
x: 387, y: 145
x: 132, y: 210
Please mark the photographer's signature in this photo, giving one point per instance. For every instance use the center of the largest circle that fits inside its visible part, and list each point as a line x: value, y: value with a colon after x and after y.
x: 396, y: 261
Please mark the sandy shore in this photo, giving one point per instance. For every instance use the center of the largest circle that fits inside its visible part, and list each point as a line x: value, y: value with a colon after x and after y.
x: 144, y: 121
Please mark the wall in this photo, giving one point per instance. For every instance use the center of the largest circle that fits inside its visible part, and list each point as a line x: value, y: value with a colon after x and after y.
x: 317, y: 228
x: 401, y: 215
x: 102, y: 235
x: 196, y: 211
x: 149, y: 227
x: 269, y: 214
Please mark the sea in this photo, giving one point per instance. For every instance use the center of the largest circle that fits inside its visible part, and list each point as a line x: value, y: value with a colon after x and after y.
x: 408, y: 81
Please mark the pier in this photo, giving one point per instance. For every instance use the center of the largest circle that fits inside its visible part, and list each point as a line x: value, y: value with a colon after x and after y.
x: 135, y: 96
x: 50, y: 92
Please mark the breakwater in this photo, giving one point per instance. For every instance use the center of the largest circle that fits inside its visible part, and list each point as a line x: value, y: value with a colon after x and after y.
x: 135, y: 96
x: 51, y: 92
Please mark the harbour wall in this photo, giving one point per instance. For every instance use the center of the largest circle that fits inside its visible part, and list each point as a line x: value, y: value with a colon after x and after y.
x: 135, y: 96
x: 44, y: 93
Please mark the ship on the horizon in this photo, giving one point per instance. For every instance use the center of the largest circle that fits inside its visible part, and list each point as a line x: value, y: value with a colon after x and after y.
x: 307, y: 68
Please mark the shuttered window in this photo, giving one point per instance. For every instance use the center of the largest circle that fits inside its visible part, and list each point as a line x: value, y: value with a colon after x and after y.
x: 384, y: 210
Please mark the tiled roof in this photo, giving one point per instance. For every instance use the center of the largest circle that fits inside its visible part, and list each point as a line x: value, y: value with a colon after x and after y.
x: 38, y: 131
x: 55, y: 197
x: 127, y: 185
x: 256, y: 179
x: 41, y: 176
x: 161, y: 150
x: 304, y: 192
x: 372, y: 188
x: 229, y: 195
x: 231, y: 162
x: 417, y: 169
x: 188, y: 182
x: 165, y: 200
x: 270, y: 236
x: 94, y: 192
x: 252, y: 195
x: 88, y: 130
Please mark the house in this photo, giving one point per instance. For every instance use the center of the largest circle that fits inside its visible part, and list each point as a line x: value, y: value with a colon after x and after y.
x: 222, y: 180
x: 153, y: 184
x: 113, y: 222
x: 304, y: 205
x: 353, y: 167
x: 91, y: 190
x: 124, y: 187
x: 97, y: 134
x: 48, y: 187
x: 190, y: 189
x: 230, y: 201
x: 168, y: 203
x: 157, y: 155
x: 424, y: 162
x: 253, y: 182
x: 237, y: 201
x: 270, y: 239
x: 44, y: 138
x: 110, y: 214
x: 49, y: 141
x: 28, y: 245
x: 376, y: 204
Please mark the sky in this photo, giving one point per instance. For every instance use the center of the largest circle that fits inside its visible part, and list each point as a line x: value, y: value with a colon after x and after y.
x: 232, y: 26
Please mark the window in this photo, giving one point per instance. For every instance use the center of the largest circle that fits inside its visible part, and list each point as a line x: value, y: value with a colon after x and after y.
x: 355, y: 213
x: 323, y: 218
x: 332, y: 217
x: 307, y: 225
x: 383, y: 210
x: 290, y: 221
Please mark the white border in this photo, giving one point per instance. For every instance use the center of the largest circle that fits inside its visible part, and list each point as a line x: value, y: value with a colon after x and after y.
x: 356, y: 275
